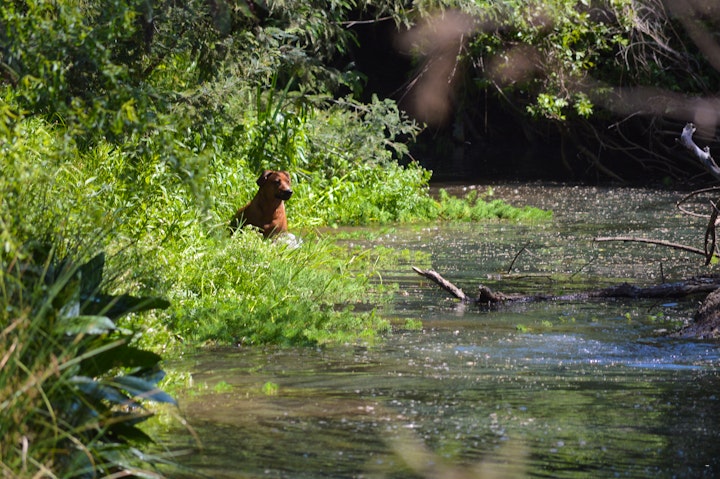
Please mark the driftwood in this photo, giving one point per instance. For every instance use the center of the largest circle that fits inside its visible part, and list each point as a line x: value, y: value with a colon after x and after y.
x: 706, y: 322
x: 679, y: 289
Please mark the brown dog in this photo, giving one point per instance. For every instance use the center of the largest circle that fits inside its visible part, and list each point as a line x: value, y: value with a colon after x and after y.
x: 267, y: 209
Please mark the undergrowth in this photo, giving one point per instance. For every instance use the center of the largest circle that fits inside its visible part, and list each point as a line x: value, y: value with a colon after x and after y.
x: 244, y: 290
x: 73, y: 385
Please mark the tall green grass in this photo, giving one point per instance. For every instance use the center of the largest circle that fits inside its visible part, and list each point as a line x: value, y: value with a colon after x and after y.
x: 74, y: 387
x: 244, y: 290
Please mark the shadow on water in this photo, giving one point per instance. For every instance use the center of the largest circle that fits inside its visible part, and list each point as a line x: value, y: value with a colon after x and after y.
x: 567, y: 390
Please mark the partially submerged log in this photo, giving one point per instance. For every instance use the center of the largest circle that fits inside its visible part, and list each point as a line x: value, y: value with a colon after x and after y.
x: 696, y: 285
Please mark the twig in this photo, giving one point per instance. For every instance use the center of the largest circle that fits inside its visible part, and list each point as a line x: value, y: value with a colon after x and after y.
x: 710, y: 235
x: 679, y: 204
x: 634, y: 239
x: 512, y: 263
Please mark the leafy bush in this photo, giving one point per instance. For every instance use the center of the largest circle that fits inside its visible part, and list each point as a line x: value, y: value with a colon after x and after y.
x: 544, y: 53
x: 73, y: 387
x: 170, y: 147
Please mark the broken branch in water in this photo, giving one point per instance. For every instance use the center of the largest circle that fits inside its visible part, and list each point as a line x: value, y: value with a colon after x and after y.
x: 696, y: 285
x: 443, y: 283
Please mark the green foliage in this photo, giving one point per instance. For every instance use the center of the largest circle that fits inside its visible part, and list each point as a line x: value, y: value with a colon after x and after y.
x: 413, y: 324
x: 137, y: 129
x: 251, y: 291
x: 546, y: 52
x: 270, y: 388
x: 474, y: 207
x: 73, y: 386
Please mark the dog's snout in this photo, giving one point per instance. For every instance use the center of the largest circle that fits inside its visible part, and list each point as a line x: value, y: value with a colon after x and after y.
x: 284, y: 194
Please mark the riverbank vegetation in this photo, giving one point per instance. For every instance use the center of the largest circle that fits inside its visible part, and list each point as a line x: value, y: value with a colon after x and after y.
x: 142, y: 130
x: 135, y: 129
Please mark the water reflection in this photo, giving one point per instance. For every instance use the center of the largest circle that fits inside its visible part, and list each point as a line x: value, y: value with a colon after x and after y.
x: 564, y: 390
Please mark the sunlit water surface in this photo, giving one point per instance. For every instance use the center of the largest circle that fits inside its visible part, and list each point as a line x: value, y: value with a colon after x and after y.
x: 561, y: 390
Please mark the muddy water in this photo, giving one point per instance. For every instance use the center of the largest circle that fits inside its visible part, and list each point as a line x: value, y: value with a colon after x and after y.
x: 567, y: 390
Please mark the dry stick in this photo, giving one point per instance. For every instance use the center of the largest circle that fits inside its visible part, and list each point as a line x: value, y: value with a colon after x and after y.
x: 651, y: 241
x: 710, y: 235
x: 707, y: 160
x: 512, y: 263
x: 443, y: 283
x: 689, y: 196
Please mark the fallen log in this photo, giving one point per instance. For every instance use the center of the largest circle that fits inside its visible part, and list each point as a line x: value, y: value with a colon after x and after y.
x: 679, y: 289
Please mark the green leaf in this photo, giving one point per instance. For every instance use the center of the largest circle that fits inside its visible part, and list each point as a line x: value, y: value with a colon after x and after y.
x: 102, y: 392
x: 85, y: 325
x: 127, y: 430
x: 115, y: 306
x: 91, y: 274
x: 123, y: 356
x: 143, y: 389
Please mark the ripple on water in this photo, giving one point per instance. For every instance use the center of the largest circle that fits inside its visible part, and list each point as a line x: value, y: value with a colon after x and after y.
x: 576, y: 350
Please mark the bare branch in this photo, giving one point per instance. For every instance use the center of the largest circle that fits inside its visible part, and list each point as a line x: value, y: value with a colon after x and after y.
x: 634, y: 239
x: 443, y: 283
x: 696, y: 285
x: 701, y: 154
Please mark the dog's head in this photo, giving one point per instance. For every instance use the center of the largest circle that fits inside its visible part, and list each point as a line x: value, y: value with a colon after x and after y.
x: 277, y: 183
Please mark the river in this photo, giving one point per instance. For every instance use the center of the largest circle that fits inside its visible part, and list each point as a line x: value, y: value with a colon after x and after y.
x: 563, y: 390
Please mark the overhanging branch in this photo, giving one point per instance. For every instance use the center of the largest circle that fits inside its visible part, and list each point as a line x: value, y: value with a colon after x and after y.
x: 701, y: 154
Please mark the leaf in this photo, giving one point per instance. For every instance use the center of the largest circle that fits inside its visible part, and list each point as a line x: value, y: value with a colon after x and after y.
x: 91, y: 274
x: 116, y: 306
x: 102, y: 392
x: 143, y: 389
x: 85, y: 325
x: 127, y: 430
x: 122, y: 356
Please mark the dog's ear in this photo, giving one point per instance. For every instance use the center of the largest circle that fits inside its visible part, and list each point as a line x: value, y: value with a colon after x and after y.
x: 263, y: 178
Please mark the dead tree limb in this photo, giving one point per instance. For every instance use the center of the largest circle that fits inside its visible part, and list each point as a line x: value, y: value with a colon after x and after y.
x: 635, y: 239
x: 710, y: 235
x: 443, y: 283
x: 680, y: 289
x: 686, y: 139
x: 703, y: 155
